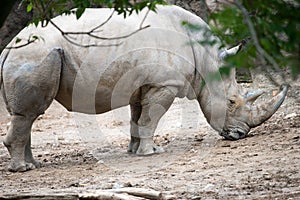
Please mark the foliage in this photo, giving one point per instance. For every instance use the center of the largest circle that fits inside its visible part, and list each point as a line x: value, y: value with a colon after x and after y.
x: 277, y: 26
x: 47, y: 9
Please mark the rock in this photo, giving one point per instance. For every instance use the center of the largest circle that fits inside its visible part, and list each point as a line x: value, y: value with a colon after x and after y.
x: 292, y: 115
x: 208, y: 187
x: 117, y: 186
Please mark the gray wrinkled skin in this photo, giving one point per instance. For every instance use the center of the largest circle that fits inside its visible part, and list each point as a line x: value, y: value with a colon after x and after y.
x: 147, y: 71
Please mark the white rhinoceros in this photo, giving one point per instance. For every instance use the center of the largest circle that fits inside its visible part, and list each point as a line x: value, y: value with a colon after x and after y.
x: 146, y: 70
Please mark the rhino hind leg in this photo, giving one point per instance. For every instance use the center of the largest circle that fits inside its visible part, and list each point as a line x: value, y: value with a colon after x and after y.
x: 27, y: 96
x: 154, y: 104
x: 16, y: 141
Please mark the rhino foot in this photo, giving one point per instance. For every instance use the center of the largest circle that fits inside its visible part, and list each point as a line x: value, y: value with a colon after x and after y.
x: 147, y: 147
x: 133, y: 145
x: 36, y: 163
x: 21, y: 167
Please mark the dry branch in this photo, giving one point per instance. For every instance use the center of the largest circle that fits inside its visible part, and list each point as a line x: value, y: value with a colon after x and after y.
x: 103, y: 195
x: 129, y: 193
x: 145, y: 193
x: 31, y: 39
x: 91, y: 33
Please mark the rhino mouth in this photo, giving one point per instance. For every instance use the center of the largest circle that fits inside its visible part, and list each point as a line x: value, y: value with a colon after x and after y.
x: 234, y: 134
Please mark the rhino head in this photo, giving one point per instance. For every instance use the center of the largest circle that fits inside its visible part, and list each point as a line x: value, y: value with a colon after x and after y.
x: 233, y: 112
x: 242, y: 114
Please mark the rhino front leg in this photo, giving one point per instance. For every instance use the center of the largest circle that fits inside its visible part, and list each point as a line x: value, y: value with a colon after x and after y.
x: 154, y: 103
x: 16, y: 140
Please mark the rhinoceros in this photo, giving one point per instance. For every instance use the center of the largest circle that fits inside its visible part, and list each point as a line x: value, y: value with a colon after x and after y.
x: 145, y: 61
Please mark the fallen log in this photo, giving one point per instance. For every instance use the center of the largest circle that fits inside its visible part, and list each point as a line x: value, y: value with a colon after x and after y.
x: 144, y: 193
x: 103, y: 195
x: 129, y: 193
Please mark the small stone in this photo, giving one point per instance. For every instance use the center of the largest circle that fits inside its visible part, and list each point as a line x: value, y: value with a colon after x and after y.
x: 225, y: 145
x: 208, y: 187
x: 100, y: 162
x: 275, y: 92
x: 292, y: 115
x: 296, y: 138
x: 128, y: 184
x: 117, y: 186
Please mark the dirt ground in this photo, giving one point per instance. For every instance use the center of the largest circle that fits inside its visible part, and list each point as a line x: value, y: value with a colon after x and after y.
x: 87, y: 152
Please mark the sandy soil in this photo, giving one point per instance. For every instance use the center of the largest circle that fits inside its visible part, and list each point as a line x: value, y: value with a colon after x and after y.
x: 81, y: 153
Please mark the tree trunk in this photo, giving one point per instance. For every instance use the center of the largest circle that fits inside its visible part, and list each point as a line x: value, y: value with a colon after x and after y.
x: 16, y: 20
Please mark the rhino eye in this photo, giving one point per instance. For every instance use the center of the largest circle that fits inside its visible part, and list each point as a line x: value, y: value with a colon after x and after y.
x: 231, y: 101
x: 231, y: 105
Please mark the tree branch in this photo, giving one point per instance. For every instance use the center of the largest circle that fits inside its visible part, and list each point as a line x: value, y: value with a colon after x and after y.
x: 30, y: 40
x: 91, y: 32
x: 146, y: 15
x: 89, y: 45
x: 102, y: 24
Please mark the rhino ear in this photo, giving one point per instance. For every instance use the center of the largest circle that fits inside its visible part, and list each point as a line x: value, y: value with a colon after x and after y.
x: 250, y: 97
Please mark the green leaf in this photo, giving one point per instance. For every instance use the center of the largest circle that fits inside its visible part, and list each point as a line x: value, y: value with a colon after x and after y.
x: 79, y: 12
x: 192, y: 27
x: 29, y: 7
x: 36, y: 22
x: 225, y: 70
x: 35, y: 37
x: 18, y: 40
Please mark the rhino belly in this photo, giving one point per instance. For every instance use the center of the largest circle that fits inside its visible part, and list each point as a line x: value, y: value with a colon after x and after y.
x: 97, y: 91
x: 106, y: 78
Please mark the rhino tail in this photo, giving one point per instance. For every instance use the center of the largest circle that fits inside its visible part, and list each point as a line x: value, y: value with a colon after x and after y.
x: 1, y: 72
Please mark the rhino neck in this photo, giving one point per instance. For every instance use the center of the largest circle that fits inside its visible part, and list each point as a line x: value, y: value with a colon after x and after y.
x: 212, y: 98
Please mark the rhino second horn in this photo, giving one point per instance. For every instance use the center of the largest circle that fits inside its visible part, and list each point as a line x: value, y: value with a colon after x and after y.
x: 250, y: 97
x: 262, y: 112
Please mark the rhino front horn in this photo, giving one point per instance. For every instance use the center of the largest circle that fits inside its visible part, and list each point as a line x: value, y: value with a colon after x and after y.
x: 262, y: 112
